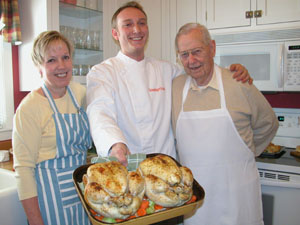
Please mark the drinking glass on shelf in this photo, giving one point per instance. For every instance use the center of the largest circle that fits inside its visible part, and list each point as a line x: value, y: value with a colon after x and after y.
x: 82, y: 38
x: 84, y: 70
x: 88, y: 40
x: 62, y: 30
x: 75, y: 70
x: 96, y: 40
x: 74, y: 37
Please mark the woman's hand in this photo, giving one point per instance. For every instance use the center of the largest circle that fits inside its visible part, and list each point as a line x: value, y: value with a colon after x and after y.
x: 120, y: 151
x: 241, y: 73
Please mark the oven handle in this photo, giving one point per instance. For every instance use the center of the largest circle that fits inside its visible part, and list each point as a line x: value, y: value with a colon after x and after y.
x: 287, y: 184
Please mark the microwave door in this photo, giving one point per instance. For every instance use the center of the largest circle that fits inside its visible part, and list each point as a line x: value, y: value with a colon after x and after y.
x: 262, y: 62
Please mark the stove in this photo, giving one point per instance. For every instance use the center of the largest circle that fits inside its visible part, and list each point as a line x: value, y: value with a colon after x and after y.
x: 280, y: 177
x: 288, y: 136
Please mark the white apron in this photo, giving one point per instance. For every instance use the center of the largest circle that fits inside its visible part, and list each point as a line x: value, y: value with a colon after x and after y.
x: 58, y: 200
x: 209, y: 144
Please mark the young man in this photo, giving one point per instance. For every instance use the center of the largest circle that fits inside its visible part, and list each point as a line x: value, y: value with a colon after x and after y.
x: 129, y: 95
x: 220, y: 126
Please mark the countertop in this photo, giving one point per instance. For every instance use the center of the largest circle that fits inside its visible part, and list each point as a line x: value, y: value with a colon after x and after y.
x: 8, y: 165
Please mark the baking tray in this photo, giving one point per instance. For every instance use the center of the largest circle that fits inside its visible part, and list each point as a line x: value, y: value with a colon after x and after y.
x: 147, y: 219
x: 275, y: 155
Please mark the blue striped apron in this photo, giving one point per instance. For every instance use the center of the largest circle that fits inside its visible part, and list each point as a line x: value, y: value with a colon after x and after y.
x: 58, y: 199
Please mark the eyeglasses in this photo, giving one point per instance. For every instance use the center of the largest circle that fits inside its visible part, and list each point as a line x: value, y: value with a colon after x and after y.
x: 195, y: 52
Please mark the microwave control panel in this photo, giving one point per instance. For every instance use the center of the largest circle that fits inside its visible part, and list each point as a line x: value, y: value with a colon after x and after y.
x: 292, y: 66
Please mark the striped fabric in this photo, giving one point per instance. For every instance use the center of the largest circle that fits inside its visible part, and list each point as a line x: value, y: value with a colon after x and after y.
x: 58, y: 199
x: 9, y: 15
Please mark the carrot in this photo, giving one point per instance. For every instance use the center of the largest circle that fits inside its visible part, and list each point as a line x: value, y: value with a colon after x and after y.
x: 158, y: 207
x: 131, y: 217
x: 193, y: 199
x: 145, y: 204
x: 100, y: 218
x: 93, y: 212
x: 119, y: 220
x: 141, y: 212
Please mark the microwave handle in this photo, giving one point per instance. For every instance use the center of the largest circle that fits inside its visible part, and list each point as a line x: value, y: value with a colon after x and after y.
x: 281, y: 57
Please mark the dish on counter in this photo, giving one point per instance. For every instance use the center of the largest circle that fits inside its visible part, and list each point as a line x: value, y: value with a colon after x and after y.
x: 296, y: 153
x: 272, y: 151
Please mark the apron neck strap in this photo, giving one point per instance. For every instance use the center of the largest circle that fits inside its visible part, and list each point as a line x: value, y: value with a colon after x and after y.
x: 220, y: 86
x: 52, y: 102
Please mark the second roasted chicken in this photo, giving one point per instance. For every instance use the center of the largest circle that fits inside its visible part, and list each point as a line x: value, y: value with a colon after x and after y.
x: 167, y: 184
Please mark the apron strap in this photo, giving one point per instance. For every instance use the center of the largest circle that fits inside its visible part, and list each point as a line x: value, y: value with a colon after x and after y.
x: 50, y: 98
x: 52, y: 102
x: 73, y: 98
x: 220, y: 86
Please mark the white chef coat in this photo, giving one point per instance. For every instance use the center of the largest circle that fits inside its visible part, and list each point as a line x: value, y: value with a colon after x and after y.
x: 130, y: 102
x: 209, y: 144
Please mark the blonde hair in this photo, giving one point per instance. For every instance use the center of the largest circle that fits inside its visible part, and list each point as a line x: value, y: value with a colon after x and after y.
x: 42, y: 42
x: 185, y: 29
x: 132, y: 4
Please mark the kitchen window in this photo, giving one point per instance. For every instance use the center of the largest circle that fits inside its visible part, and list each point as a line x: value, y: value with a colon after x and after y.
x: 6, y: 90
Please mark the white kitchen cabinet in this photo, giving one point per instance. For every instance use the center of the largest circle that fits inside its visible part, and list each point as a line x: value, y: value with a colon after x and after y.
x: 238, y: 15
x: 278, y: 11
x: 82, y: 24
x: 252, y: 13
x: 224, y: 13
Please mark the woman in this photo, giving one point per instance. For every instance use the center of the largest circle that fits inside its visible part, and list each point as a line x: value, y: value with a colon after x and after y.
x: 51, y: 137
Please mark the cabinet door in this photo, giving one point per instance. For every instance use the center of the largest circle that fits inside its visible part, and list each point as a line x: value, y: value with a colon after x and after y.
x: 278, y: 11
x: 37, y: 16
x: 82, y: 24
x: 227, y: 13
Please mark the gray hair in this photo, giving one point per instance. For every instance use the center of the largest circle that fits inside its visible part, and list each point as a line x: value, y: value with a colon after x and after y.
x: 185, y: 29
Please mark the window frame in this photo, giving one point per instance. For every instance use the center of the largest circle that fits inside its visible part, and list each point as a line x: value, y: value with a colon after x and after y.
x: 6, y: 78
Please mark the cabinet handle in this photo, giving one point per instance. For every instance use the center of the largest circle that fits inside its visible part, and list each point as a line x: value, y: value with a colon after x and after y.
x: 257, y: 13
x: 249, y: 14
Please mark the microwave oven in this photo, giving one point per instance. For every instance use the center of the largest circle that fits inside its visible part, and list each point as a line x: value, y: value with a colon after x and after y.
x: 274, y: 66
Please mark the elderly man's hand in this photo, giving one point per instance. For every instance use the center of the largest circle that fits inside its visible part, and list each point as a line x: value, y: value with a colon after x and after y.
x: 241, y: 73
x: 120, y: 151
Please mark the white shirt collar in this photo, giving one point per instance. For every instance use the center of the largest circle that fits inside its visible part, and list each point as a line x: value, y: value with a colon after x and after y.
x: 212, y: 83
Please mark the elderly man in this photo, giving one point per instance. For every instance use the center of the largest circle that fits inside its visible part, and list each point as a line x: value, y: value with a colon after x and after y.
x: 129, y: 95
x: 220, y: 126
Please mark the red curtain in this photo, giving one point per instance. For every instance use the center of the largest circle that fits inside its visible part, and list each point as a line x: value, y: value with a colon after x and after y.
x: 9, y: 16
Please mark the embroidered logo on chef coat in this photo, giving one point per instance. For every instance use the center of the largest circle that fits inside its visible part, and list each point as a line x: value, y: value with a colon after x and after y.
x: 156, y: 89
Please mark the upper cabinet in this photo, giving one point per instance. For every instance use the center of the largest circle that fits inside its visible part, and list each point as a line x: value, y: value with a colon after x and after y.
x: 251, y: 13
x: 81, y: 21
x: 277, y: 11
x: 221, y: 16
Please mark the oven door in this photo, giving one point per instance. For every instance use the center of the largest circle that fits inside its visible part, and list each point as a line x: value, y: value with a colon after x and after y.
x: 281, y: 202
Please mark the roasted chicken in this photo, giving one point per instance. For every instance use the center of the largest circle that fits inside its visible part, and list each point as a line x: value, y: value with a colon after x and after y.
x: 112, y: 191
x: 167, y: 184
